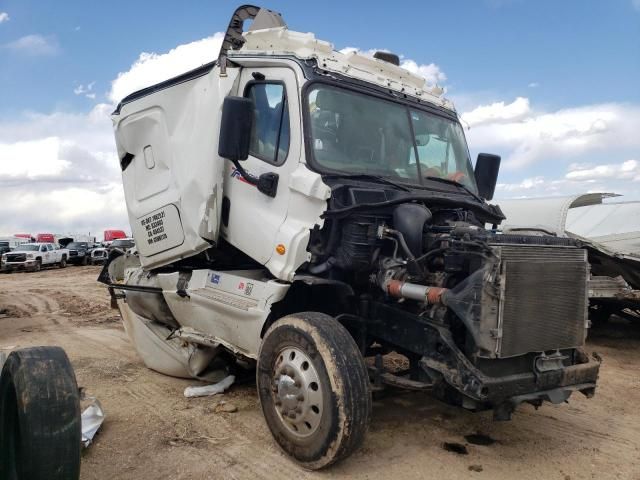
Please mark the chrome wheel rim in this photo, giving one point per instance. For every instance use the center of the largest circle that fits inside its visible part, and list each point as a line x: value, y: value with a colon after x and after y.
x: 297, y: 392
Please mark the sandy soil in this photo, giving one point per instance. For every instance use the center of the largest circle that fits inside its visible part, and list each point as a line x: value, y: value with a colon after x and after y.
x: 152, y: 431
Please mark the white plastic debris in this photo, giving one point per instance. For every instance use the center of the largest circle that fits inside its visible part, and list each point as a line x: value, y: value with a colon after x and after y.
x: 213, y: 389
x: 91, y: 419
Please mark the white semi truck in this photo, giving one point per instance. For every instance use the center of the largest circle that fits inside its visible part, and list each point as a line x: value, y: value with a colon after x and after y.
x: 310, y: 212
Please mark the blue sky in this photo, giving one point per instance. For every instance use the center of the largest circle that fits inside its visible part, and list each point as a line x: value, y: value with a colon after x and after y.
x: 552, y: 86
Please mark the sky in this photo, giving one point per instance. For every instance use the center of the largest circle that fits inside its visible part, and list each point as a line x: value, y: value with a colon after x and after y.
x: 553, y: 86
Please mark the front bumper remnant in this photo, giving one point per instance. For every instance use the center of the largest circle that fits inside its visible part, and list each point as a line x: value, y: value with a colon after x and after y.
x: 442, y: 361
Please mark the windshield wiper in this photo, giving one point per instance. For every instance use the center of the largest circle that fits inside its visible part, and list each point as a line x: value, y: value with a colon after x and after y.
x: 457, y: 184
x: 368, y: 176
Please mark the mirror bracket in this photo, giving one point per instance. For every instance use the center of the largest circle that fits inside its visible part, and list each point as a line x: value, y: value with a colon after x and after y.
x: 266, y: 183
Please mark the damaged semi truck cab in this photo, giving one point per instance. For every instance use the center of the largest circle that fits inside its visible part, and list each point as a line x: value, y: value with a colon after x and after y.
x: 313, y: 212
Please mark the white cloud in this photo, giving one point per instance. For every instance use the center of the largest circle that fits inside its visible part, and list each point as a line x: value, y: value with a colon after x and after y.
x: 619, y: 178
x: 151, y: 68
x: 567, y: 134
x: 32, y: 159
x: 87, y: 90
x: 629, y: 169
x: 34, y: 45
x: 4, y: 17
x: 636, y: 4
x: 431, y: 72
x: 59, y: 172
x: 535, y: 84
x: 62, y: 209
x: 498, y: 111
x: 526, y: 184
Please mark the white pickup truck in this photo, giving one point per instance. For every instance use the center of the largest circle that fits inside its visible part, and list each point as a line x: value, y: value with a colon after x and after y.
x: 34, y: 256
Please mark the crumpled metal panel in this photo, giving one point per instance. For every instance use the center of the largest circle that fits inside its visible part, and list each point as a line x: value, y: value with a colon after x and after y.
x: 615, y: 225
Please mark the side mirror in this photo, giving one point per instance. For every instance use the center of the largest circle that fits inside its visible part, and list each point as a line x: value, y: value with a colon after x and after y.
x: 235, y: 128
x: 486, y: 173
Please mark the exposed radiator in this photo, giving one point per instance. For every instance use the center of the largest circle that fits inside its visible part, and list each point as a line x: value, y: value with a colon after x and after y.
x: 544, y: 301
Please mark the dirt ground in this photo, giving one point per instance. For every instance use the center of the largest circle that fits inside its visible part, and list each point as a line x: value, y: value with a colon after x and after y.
x: 151, y: 431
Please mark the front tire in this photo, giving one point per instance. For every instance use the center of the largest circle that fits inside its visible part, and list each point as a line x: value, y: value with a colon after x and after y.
x: 63, y: 262
x: 313, y: 388
x: 38, y: 265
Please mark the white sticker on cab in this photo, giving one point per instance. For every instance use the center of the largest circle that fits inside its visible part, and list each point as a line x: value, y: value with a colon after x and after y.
x: 158, y: 231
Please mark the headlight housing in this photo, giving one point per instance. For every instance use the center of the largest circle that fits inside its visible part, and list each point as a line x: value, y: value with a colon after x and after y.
x: 29, y: 255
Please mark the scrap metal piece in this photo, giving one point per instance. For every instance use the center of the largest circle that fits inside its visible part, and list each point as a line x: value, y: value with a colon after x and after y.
x: 91, y: 419
x: 208, y: 390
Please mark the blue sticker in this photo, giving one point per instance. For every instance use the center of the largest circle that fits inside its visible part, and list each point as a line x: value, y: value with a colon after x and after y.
x: 215, y: 279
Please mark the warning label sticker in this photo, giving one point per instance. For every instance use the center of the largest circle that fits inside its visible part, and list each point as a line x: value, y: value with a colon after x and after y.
x: 159, y: 230
x: 154, y: 226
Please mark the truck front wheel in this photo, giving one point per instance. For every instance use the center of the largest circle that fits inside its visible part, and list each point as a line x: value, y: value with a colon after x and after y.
x: 63, y: 262
x: 314, y: 389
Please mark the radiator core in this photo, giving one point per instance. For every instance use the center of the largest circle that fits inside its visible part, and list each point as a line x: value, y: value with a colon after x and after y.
x: 543, y: 305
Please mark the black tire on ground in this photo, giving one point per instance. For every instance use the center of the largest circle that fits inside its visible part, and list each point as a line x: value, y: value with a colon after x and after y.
x: 39, y: 416
x: 85, y: 260
x: 63, y: 262
x: 38, y: 265
x: 313, y: 388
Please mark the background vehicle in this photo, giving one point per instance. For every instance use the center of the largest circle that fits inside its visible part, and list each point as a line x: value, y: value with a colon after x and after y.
x: 99, y: 255
x: 79, y: 253
x: 110, y: 235
x: 354, y: 228
x: 4, y: 246
x: 46, y: 238
x: 122, y: 244
x: 34, y: 256
x: 26, y: 236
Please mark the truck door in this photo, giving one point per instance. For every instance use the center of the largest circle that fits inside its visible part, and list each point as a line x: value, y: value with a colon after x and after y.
x: 252, y: 219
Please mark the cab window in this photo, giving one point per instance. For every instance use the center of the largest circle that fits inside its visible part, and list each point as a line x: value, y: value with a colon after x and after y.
x: 270, y: 133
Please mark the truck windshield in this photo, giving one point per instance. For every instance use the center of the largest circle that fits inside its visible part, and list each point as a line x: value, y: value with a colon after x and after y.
x: 28, y: 248
x: 77, y: 245
x: 354, y: 133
